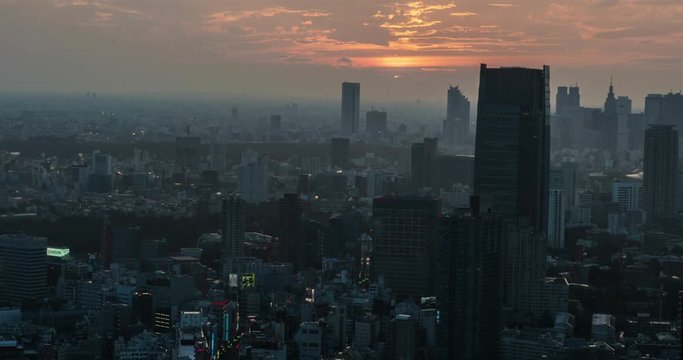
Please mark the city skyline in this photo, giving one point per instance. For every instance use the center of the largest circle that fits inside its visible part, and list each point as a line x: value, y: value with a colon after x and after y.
x: 400, y: 50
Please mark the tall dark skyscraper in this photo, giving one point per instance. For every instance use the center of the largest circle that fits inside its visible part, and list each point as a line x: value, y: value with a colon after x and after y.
x: 664, y: 109
x: 232, y: 237
x: 403, y: 244
x: 610, y: 122
x: 456, y: 127
x: 468, y: 285
x: 350, y: 108
x: 375, y: 122
x: 512, y: 144
x: 423, y: 163
x: 660, y: 166
x: 291, y: 215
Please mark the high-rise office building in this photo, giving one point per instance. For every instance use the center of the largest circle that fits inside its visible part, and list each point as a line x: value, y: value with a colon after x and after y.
x: 610, y: 123
x: 100, y: 179
x: 23, y: 268
x: 512, y: 143
x: 556, y: 209
x: 568, y: 100
x: 664, y: 110
x: 350, y: 108
x: 628, y: 194
x: 423, y: 163
x: 623, y: 111
x: 375, y: 122
x: 290, y: 224
x: 660, y: 166
x: 252, y: 180
x: 523, y: 266
x: 569, y: 175
x: 654, y: 106
x: 456, y: 127
x: 402, y: 338
x: 232, y: 234
x: 403, y: 243
x: 339, y: 152
x: 468, y: 285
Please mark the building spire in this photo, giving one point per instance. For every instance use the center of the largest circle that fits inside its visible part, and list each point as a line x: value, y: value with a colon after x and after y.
x: 611, y: 87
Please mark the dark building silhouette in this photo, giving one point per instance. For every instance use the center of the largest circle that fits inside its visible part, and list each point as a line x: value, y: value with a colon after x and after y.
x: 341, y: 235
x: 454, y: 169
x: 456, y: 127
x: 275, y: 123
x: 290, y: 219
x: 610, y: 123
x: 403, y: 243
x: 401, y: 340
x: 512, y: 144
x: 143, y: 307
x: 339, y: 152
x: 672, y: 109
x: 233, y: 224
x: 23, y: 268
x: 568, y: 100
x: 660, y: 167
x: 664, y: 109
x: 423, y: 169
x: 350, y: 108
x: 375, y: 122
x: 468, y: 285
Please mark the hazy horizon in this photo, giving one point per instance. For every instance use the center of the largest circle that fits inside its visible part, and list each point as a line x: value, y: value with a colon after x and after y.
x: 285, y: 50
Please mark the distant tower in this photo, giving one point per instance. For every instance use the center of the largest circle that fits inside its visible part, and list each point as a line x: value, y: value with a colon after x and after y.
x: 610, y: 121
x: 23, y: 268
x: 252, y: 179
x: 350, y: 108
x: 423, y: 165
x: 660, y: 166
x: 232, y: 237
x: 568, y: 100
x: 456, y: 127
x: 375, y: 122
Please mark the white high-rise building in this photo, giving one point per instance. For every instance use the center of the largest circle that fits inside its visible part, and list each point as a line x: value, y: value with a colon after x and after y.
x: 628, y: 194
x: 556, y: 219
x: 23, y: 268
x: 350, y: 108
x: 252, y: 180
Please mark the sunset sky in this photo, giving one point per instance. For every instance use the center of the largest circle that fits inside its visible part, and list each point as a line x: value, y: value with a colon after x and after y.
x: 305, y: 48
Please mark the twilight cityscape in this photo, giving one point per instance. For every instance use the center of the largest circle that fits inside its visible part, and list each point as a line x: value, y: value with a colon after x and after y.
x: 342, y: 180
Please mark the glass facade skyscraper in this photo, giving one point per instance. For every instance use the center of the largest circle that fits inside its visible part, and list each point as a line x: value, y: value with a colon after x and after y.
x: 512, y: 143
